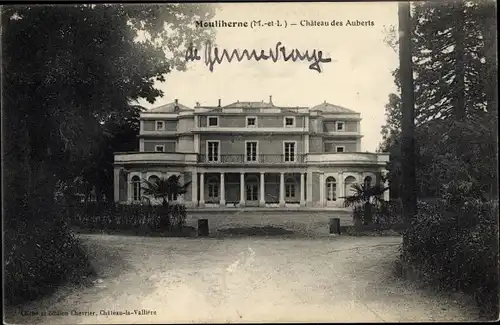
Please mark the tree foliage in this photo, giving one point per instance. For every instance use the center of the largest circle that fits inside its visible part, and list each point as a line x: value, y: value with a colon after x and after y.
x: 71, y: 76
x: 167, y: 189
x: 70, y: 70
x: 455, y: 108
x: 364, y: 193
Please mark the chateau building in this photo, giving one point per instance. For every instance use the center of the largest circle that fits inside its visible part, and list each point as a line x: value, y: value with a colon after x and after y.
x: 250, y: 154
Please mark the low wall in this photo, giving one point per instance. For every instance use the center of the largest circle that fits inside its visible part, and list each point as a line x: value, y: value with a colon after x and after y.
x: 308, y: 222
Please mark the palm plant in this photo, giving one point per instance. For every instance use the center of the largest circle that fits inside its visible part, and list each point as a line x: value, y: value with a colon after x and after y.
x: 167, y: 189
x: 365, y: 195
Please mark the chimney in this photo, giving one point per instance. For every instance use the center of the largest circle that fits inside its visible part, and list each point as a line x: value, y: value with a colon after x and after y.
x: 197, y: 104
x: 219, y: 102
x: 271, y: 99
x: 176, y: 106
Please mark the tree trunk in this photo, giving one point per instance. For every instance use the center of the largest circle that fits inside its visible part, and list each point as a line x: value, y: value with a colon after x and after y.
x: 368, y: 216
x: 408, y: 182
x: 166, y: 214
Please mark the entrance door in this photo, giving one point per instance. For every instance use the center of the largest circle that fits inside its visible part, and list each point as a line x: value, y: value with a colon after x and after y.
x: 252, y: 192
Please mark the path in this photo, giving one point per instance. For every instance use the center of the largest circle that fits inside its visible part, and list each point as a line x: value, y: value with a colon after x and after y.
x: 337, y: 279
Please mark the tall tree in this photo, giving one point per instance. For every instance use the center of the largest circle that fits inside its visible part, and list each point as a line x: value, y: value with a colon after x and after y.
x: 455, y: 109
x: 68, y: 70
x: 408, y: 116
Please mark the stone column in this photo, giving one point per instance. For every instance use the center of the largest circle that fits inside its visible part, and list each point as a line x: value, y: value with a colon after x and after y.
x: 194, y: 188
x: 386, y: 185
x: 302, y: 190
x: 202, y: 189
x: 222, y: 190
x: 180, y: 198
x: 282, y: 189
x: 309, y: 189
x: 322, y: 190
x: 130, y: 188
x: 340, y: 189
x: 116, y: 184
x: 141, y: 192
x: 262, y: 202
x: 242, y: 189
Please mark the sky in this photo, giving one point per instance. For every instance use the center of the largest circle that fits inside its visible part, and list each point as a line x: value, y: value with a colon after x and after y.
x: 359, y: 76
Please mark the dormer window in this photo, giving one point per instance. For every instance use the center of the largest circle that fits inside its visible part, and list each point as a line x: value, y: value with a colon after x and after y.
x: 289, y: 122
x: 213, y: 121
x: 340, y: 149
x: 251, y: 121
x: 160, y: 126
x: 339, y: 126
x: 159, y: 148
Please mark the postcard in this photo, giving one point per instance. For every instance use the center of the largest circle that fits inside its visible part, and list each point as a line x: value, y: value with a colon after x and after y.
x: 255, y: 162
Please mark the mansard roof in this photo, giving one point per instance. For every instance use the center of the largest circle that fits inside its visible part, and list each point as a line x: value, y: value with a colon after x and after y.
x: 331, y: 108
x: 169, y: 108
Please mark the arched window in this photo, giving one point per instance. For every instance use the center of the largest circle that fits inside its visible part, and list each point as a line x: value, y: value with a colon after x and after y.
x: 252, y: 188
x: 331, y: 189
x: 213, y: 188
x: 368, y: 181
x: 290, y: 188
x: 136, y: 188
x: 154, y: 179
x: 349, y: 181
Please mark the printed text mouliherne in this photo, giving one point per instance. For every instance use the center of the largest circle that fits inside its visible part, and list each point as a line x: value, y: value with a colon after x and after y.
x: 213, y: 55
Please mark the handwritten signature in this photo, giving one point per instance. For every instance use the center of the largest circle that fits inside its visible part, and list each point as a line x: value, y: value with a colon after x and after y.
x: 213, y: 56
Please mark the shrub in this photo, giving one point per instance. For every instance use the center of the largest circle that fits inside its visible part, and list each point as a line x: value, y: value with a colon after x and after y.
x: 388, y: 213
x: 456, y: 242
x: 111, y: 216
x: 38, y: 256
x: 385, y: 214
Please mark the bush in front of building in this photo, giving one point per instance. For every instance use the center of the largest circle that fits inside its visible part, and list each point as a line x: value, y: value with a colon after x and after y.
x: 454, y: 243
x: 38, y: 256
x: 382, y: 215
x: 139, y: 217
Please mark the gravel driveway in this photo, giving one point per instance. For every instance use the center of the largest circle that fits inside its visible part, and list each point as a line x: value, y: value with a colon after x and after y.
x: 179, y: 280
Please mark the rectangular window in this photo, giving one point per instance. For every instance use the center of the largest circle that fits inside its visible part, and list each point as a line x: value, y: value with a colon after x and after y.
x: 251, y: 151
x: 340, y: 149
x: 290, y: 190
x: 213, y: 151
x: 159, y: 148
x: 160, y: 126
x: 251, y: 121
x: 213, y: 191
x: 289, y: 121
x: 213, y: 121
x: 289, y: 151
x: 340, y: 126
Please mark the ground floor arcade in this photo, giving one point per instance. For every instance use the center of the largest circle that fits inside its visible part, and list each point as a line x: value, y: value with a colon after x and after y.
x: 249, y: 188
